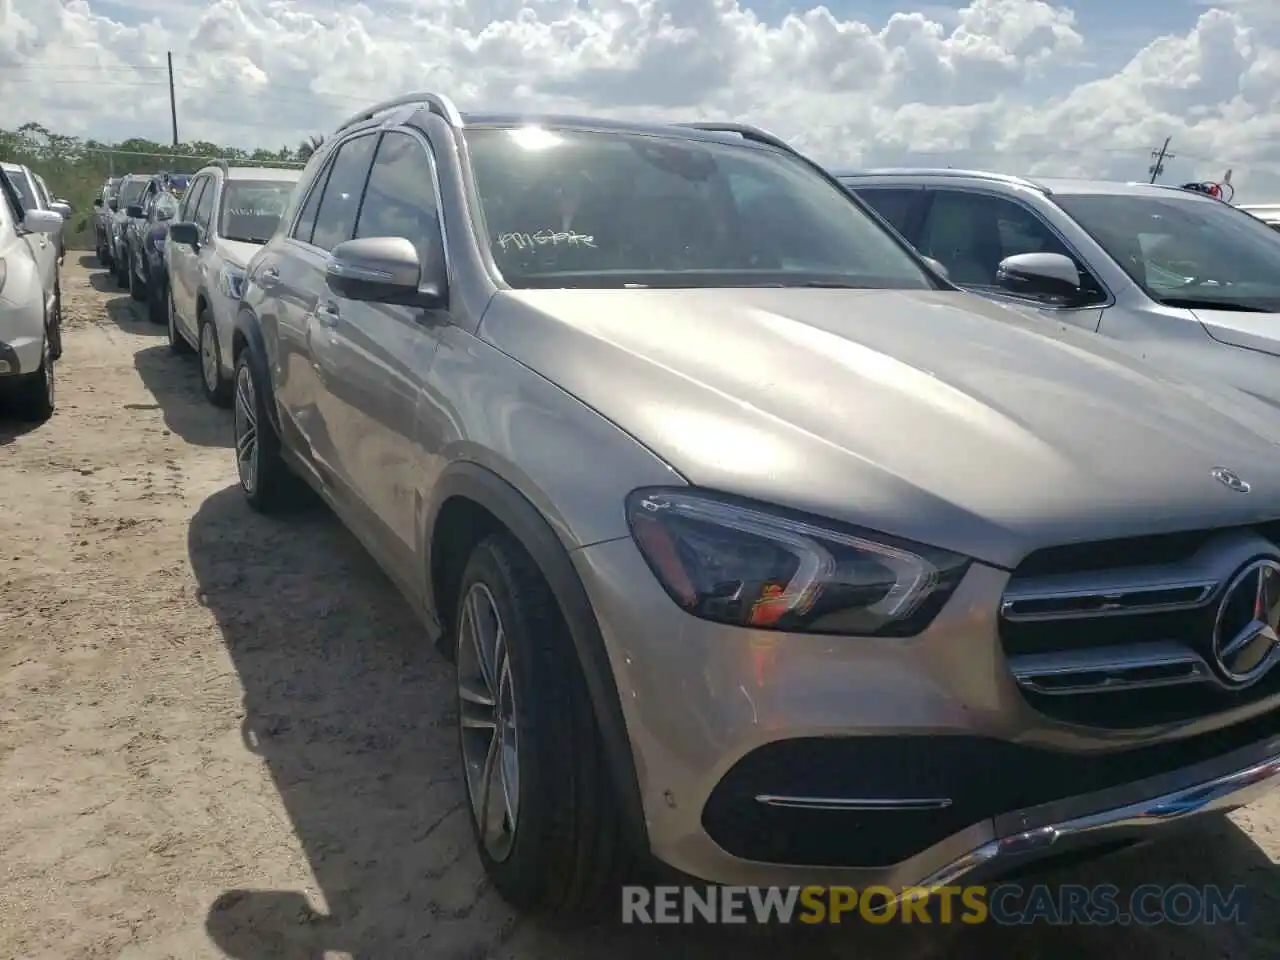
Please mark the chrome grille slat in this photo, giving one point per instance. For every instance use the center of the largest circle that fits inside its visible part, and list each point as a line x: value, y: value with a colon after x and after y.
x: 1090, y: 633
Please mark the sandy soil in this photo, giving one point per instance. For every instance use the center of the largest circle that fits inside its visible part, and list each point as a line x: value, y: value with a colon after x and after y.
x: 222, y: 735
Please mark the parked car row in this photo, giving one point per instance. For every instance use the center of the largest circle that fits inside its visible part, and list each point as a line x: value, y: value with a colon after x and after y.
x: 897, y: 528
x: 31, y: 250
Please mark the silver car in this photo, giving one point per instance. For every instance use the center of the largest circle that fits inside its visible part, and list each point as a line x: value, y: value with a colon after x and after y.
x: 1186, y: 280
x: 760, y: 550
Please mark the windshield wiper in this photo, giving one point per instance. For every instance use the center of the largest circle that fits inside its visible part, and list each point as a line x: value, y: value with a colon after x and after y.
x: 1206, y: 303
x: 246, y: 239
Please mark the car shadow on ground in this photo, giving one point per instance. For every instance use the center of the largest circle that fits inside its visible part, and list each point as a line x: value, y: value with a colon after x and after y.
x: 124, y: 311
x: 11, y: 429
x: 174, y: 381
x: 351, y: 710
x: 88, y: 260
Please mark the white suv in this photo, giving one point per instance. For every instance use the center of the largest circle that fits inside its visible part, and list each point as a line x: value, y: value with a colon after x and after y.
x: 226, y: 217
x: 29, y: 340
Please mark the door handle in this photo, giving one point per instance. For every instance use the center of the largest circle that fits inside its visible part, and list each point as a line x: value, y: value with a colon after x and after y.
x: 327, y: 314
x: 268, y: 278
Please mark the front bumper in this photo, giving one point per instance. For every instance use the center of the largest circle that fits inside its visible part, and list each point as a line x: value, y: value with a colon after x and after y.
x: 20, y: 355
x: 765, y: 758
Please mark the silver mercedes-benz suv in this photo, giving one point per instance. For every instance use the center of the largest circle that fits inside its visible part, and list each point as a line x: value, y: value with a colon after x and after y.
x: 758, y: 546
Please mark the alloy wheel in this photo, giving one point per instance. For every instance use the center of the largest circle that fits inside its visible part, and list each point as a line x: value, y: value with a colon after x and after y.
x: 246, y: 430
x: 487, y: 721
x: 208, y: 357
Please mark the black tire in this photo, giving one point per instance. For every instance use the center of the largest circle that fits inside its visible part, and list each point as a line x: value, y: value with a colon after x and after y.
x: 177, y: 342
x: 35, y: 397
x: 568, y: 854
x: 122, y: 271
x: 157, y: 299
x: 137, y: 288
x: 274, y: 488
x: 219, y: 391
x: 55, y: 325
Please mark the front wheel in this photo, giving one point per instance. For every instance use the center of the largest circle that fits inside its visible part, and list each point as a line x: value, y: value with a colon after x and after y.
x: 216, y: 388
x: 177, y: 342
x: 123, y: 270
x: 137, y: 286
x: 157, y: 298
x: 543, y: 810
x: 36, y: 392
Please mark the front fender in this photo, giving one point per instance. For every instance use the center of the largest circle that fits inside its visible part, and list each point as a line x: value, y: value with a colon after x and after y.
x: 247, y: 335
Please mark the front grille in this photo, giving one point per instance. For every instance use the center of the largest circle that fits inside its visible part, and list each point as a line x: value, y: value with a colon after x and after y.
x: 980, y: 778
x: 1118, y: 634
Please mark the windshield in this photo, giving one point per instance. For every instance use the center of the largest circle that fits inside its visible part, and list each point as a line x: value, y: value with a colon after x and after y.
x: 130, y: 191
x: 1186, y: 252
x: 251, y: 209
x: 588, y: 209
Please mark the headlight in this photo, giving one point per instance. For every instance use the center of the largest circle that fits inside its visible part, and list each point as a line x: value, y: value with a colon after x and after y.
x: 231, y: 282
x: 766, y: 568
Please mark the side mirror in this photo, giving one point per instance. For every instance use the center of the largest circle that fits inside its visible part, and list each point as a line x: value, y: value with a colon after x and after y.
x: 937, y: 267
x: 113, y: 205
x: 383, y: 270
x: 1040, y: 275
x: 185, y: 232
x: 97, y: 202
x: 42, y: 221
x: 61, y: 208
x: 163, y: 215
x: 132, y: 211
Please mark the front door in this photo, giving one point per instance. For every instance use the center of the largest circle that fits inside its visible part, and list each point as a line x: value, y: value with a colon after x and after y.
x: 382, y: 354
x: 183, y: 262
x: 969, y: 232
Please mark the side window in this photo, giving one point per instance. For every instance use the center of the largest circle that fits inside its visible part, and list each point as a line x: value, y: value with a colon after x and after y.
x: 204, y: 206
x: 306, y: 224
x: 895, y: 204
x: 192, y: 199
x: 400, y: 199
x: 970, y: 233
x: 340, y: 205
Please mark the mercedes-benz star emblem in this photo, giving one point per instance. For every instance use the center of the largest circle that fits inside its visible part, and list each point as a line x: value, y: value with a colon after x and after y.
x: 1229, y: 479
x: 1246, y: 632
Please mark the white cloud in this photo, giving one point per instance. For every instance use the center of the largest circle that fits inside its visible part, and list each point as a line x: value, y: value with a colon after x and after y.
x: 923, y: 87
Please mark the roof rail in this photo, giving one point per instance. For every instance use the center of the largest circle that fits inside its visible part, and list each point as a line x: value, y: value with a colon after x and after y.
x: 222, y: 165
x: 744, y: 130
x: 436, y: 102
x: 946, y: 172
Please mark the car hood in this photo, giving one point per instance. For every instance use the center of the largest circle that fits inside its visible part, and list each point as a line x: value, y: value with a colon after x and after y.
x: 934, y: 416
x: 237, y: 252
x: 1254, y: 331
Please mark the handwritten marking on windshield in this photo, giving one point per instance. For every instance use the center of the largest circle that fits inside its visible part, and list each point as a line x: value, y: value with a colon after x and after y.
x: 523, y: 241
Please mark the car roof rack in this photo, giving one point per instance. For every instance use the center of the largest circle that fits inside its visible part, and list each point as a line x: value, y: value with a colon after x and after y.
x: 221, y: 164
x: 745, y: 130
x: 437, y: 103
x: 946, y: 172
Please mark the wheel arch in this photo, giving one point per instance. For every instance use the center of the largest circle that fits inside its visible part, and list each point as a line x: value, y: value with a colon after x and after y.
x: 470, y: 501
x: 247, y: 335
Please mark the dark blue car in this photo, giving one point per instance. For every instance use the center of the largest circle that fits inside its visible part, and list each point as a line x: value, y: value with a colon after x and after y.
x: 145, y: 232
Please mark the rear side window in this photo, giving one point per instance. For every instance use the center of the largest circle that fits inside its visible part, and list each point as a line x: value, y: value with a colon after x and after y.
x: 895, y: 204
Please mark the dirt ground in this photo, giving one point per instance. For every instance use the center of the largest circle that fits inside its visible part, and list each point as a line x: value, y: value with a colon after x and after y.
x: 223, y: 736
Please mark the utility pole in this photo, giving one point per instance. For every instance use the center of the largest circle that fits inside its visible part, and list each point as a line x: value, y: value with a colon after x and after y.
x: 1155, y: 169
x: 173, y: 104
